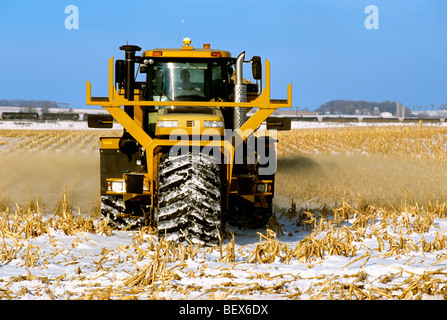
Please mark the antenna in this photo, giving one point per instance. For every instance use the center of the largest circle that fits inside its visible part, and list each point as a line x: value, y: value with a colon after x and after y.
x: 180, y: 33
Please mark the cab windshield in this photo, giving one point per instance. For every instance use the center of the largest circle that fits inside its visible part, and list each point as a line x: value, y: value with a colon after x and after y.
x: 187, y: 81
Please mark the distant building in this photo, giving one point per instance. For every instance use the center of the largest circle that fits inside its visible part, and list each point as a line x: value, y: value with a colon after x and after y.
x: 400, y: 110
x: 376, y: 112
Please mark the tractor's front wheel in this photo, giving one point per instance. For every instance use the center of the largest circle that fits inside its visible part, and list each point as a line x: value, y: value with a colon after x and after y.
x: 189, y: 198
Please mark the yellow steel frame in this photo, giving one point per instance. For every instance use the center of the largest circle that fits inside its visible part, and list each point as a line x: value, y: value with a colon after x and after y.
x: 115, y: 101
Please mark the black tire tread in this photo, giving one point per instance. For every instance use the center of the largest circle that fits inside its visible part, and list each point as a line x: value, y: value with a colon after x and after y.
x: 189, y: 199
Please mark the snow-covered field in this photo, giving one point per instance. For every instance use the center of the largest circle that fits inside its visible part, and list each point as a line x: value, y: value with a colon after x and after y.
x: 348, y: 253
x: 82, y: 125
x: 47, y: 125
x: 61, y: 264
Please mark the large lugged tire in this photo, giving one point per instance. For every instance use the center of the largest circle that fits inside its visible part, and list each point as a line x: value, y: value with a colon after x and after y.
x: 189, y: 198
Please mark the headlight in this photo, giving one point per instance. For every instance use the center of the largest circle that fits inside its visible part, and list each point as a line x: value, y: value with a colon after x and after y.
x: 212, y: 124
x: 167, y: 123
x: 116, y: 186
x: 261, y: 187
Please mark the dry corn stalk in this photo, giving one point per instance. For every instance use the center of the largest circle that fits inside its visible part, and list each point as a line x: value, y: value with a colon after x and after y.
x: 268, y: 251
x: 229, y: 255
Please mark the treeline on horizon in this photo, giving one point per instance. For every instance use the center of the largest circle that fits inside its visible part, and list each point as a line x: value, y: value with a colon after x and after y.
x: 28, y: 103
x: 333, y: 106
x: 362, y: 106
x: 358, y: 106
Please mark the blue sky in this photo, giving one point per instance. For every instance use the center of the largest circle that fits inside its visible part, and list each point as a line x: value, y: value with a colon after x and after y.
x: 321, y: 47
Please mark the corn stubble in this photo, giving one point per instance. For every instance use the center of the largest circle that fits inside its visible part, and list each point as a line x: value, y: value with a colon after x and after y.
x: 345, y: 187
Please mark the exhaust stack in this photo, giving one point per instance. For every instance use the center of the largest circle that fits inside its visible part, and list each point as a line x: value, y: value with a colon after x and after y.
x: 240, y: 93
x: 129, y: 79
x: 127, y: 143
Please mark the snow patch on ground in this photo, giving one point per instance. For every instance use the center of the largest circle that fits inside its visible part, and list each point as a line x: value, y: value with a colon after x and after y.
x: 48, y: 125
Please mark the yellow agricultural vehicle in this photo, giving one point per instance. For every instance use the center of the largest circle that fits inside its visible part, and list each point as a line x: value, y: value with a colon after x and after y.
x: 189, y: 160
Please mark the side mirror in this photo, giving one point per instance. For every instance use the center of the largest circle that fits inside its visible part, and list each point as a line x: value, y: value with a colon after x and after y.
x: 102, y: 121
x: 143, y: 68
x: 279, y: 123
x: 120, y: 71
x: 256, y: 67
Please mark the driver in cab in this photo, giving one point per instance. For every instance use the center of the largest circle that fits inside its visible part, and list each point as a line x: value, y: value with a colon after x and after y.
x: 187, y: 88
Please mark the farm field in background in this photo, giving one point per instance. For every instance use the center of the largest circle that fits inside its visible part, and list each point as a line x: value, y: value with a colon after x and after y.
x: 37, y: 164
x: 360, y: 214
x: 380, y: 165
